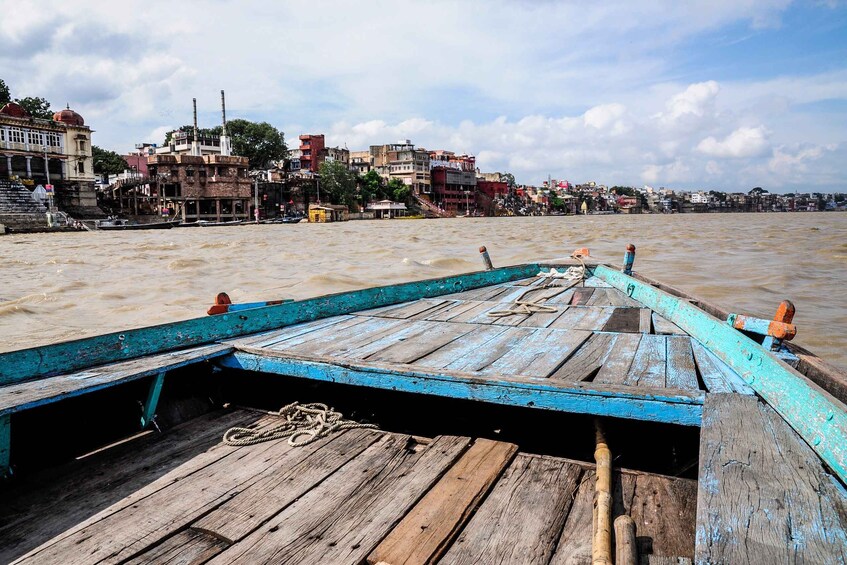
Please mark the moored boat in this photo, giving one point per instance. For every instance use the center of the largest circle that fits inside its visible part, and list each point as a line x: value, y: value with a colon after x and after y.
x: 124, y: 224
x: 520, y: 411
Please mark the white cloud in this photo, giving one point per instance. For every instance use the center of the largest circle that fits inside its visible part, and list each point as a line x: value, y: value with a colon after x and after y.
x: 743, y: 142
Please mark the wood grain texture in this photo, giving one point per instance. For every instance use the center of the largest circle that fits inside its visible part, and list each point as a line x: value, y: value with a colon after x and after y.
x: 624, y: 320
x: 649, y: 365
x: 587, y: 359
x: 252, y: 506
x: 538, y: 355
x: 451, y: 311
x: 461, y: 347
x: 268, y: 338
x: 581, y: 296
x: 662, y: 325
x: 716, y: 375
x: 616, y: 366
x: 645, y: 324
x: 136, y: 523
x: 428, y: 529
x: 574, y: 547
x: 422, y: 344
x: 520, y: 521
x: 681, y: 371
x: 763, y: 496
x: 54, y: 501
x: 188, y: 547
x: 345, y: 517
x: 493, y: 350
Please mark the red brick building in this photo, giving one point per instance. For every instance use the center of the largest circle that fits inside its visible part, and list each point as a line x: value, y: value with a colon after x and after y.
x: 492, y: 189
x: 312, y: 152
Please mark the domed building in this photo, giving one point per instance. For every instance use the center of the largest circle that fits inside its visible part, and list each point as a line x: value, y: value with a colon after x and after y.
x: 55, y: 152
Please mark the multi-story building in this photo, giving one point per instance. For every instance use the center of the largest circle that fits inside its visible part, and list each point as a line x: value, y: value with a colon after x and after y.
x: 201, y: 187
x: 337, y: 154
x: 53, y: 152
x: 453, y: 179
x: 311, y: 152
x: 403, y: 162
x: 361, y: 161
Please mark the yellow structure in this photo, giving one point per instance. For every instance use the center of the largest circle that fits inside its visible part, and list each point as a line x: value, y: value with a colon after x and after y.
x: 322, y: 213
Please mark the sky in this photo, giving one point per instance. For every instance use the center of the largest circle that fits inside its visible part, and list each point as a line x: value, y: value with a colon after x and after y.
x: 720, y: 94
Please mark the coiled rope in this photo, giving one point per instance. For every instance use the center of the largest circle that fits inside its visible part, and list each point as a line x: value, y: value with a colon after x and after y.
x: 310, y: 421
x: 527, y: 308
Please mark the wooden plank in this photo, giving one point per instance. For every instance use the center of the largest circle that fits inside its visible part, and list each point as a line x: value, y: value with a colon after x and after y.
x: 26, y: 395
x: 650, y: 363
x: 365, y: 348
x: 242, y: 514
x: 184, y: 548
x: 657, y: 405
x: 600, y: 297
x: 583, y: 318
x: 664, y: 511
x: 581, y: 296
x: 422, y: 344
x: 715, y: 374
x: 339, y: 343
x: 624, y: 320
x: 618, y: 298
x: 352, y: 325
x: 265, y: 339
x: 543, y: 319
x: 346, y: 516
x: 645, y: 324
x: 494, y: 349
x: 479, y: 308
x: 539, y: 354
x: 662, y: 325
x: 50, y: 502
x: 523, y: 516
x: 410, y: 309
x: 474, y: 340
x: 763, y: 497
x: 618, y: 362
x: 127, y: 529
x: 587, y: 359
x: 819, y: 419
x: 120, y: 346
x: 483, y: 317
x: 429, y: 528
x: 450, y: 312
x: 564, y: 298
x: 681, y: 371
x: 595, y: 282
x: 574, y: 547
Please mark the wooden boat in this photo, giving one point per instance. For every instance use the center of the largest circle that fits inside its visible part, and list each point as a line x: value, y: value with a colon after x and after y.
x: 724, y: 450
x: 123, y: 224
x: 208, y: 224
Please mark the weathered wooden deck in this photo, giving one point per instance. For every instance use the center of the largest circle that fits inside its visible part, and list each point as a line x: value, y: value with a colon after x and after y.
x: 183, y: 497
x: 765, y: 491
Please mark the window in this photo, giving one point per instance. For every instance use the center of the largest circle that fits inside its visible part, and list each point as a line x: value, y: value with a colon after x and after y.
x: 53, y: 140
x: 81, y: 167
x: 82, y: 145
x: 2, y: 134
x: 16, y: 135
x: 36, y: 138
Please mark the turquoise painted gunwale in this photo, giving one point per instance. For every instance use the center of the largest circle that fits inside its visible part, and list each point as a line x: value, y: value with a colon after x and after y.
x: 819, y: 419
x: 69, y: 356
x: 683, y: 409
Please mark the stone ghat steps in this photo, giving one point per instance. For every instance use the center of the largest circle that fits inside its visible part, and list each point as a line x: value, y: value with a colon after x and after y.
x: 15, y: 198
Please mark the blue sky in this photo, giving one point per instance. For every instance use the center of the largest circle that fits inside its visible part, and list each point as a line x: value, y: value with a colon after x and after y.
x: 716, y: 95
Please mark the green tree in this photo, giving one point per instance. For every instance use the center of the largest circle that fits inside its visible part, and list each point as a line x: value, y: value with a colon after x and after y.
x: 5, y: 97
x: 337, y: 182
x: 399, y: 191
x: 258, y: 141
x: 36, y: 107
x: 107, y: 162
x: 372, y: 186
x: 509, y: 179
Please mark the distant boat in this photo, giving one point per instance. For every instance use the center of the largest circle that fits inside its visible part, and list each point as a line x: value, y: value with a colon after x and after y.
x: 124, y: 224
x: 206, y: 224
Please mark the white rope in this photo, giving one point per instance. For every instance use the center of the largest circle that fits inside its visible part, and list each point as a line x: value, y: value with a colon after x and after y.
x: 312, y: 421
x: 528, y: 308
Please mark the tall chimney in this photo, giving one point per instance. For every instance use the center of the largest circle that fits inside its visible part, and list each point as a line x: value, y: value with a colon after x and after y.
x: 226, y: 145
x: 195, y: 145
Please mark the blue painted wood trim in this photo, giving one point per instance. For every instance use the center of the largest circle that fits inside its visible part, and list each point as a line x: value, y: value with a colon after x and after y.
x: 100, y: 382
x: 819, y: 419
x: 5, y: 445
x: 149, y: 410
x: 685, y: 410
x: 119, y: 346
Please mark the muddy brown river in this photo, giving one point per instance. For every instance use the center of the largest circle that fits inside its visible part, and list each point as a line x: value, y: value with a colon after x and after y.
x: 55, y: 287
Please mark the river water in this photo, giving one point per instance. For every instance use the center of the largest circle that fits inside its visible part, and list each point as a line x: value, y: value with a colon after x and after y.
x: 55, y: 287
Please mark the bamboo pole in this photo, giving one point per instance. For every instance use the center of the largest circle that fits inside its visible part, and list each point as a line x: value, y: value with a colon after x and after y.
x: 626, y: 552
x: 601, y: 549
